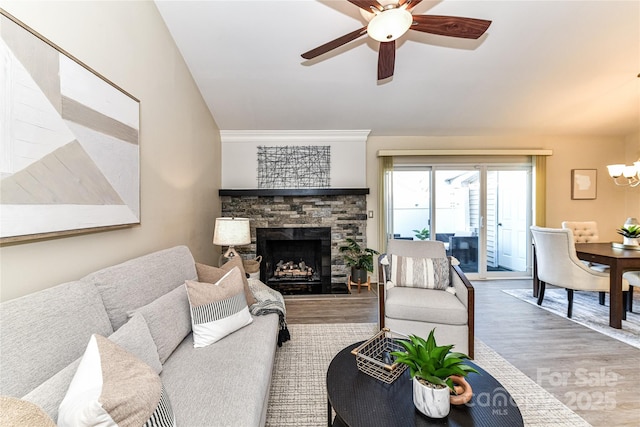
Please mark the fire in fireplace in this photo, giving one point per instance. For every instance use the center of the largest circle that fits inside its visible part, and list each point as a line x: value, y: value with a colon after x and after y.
x: 295, y: 259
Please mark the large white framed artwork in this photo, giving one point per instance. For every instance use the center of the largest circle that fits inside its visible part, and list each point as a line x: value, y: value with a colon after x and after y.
x: 69, y: 149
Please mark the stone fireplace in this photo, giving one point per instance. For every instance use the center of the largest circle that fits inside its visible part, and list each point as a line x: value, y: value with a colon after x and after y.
x: 339, y: 213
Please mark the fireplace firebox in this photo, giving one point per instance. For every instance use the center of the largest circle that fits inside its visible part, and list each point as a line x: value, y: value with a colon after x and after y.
x: 295, y: 259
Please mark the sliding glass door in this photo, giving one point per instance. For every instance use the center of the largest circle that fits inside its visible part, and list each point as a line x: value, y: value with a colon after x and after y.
x: 481, y: 212
x: 457, y: 214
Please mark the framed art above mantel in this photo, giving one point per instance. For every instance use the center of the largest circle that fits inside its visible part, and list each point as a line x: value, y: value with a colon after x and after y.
x: 69, y: 151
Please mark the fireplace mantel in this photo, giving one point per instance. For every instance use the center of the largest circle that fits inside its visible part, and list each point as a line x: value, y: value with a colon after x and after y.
x: 270, y: 192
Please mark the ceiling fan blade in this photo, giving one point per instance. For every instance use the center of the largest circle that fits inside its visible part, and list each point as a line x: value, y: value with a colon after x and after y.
x: 367, y: 4
x: 334, y: 43
x: 452, y: 26
x: 412, y: 3
x: 386, y: 59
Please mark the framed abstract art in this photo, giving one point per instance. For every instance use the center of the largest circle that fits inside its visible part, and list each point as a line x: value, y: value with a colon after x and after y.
x: 69, y: 147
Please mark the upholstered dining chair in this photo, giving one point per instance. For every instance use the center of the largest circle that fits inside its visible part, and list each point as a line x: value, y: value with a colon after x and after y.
x: 586, y: 232
x: 633, y: 277
x: 559, y: 265
x: 411, y: 303
x: 583, y: 231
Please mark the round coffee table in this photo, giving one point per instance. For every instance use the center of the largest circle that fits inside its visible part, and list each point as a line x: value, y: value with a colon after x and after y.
x: 361, y: 400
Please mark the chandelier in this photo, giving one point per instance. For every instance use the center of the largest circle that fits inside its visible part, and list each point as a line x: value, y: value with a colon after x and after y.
x: 625, y: 175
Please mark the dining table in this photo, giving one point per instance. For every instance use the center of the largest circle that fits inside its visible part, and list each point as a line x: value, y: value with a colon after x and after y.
x: 619, y: 258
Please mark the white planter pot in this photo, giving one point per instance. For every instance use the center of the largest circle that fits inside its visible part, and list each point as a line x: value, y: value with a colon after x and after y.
x: 631, y: 241
x: 432, y: 402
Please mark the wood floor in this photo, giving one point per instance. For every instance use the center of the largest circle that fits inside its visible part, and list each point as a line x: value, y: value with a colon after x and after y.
x: 596, y: 376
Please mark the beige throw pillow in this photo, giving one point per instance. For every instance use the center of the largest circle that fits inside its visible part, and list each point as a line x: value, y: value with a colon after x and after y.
x: 217, y: 309
x: 209, y: 274
x: 113, y: 387
x: 427, y: 273
x: 16, y: 412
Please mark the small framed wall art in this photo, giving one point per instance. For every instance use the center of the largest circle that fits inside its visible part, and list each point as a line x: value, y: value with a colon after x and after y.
x: 583, y: 184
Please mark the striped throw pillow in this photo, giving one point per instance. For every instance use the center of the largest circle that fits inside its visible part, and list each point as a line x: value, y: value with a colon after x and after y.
x: 217, y: 309
x: 112, y: 387
x: 427, y: 273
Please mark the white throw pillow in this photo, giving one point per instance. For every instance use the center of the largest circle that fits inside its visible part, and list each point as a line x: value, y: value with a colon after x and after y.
x: 112, y: 387
x: 217, y: 309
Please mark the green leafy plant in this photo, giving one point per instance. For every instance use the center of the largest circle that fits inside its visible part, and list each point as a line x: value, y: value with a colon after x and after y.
x: 432, y: 363
x: 422, y: 234
x: 630, y: 231
x: 356, y: 256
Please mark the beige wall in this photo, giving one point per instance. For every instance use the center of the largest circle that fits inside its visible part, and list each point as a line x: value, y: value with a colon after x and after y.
x: 128, y: 43
x: 612, y: 205
x: 632, y: 154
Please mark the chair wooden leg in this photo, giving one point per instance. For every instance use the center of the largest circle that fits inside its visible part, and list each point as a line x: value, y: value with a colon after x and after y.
x: 570, y: 305
x: 541, y: 292
x: 630, y: 299
x: 625, y: 298
x: 601, y: 298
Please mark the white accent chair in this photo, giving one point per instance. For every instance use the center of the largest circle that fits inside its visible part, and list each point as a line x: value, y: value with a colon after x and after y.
x: 559, y: 265
x: 417, y: 311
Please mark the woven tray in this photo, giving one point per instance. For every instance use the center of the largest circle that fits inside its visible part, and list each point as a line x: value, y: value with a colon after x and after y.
x: 372, y: 357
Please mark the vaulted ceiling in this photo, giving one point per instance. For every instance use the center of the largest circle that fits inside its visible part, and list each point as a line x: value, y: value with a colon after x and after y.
x: 542, y: 68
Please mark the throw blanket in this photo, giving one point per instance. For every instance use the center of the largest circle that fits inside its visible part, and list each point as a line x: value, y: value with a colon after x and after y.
x: 269, y: 301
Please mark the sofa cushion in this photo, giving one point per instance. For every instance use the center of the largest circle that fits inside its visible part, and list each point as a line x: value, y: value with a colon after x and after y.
x: 169, y: 320
x: 134, y: 337
x: 427, y: 273
x: 239, y: 366
x: 113, y: 387
x: 16, y: 412
x: 425, y: 305
x: 43, y: 332
x: 209, y: 274
x: 139, y: 281
x: 217, y: 310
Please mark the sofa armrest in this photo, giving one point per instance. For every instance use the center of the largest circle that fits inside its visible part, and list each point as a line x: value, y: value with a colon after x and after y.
x: 466, y: 295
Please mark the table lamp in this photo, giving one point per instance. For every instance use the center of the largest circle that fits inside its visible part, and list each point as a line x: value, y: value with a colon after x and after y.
x: 231, y: 232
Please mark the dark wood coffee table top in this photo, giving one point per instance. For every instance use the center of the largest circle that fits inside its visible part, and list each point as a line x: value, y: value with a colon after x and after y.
x: 361, y: 400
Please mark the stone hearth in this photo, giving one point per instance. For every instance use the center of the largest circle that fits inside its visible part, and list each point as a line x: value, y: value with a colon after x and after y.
x: 345, y: 214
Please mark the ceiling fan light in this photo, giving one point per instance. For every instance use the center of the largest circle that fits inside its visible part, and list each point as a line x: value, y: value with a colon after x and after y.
x: 389, y: 25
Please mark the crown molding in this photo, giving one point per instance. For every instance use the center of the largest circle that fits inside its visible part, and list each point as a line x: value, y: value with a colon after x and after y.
x: 293, y: 136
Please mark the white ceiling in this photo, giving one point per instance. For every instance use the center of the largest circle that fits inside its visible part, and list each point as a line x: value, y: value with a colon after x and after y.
x: 543, y: 68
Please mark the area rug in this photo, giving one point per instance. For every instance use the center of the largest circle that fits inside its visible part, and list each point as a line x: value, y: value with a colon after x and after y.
x: 298, y: 389
x: 587, y: 312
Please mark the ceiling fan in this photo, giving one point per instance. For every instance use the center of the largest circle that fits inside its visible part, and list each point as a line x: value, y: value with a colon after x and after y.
x: 391, y: 19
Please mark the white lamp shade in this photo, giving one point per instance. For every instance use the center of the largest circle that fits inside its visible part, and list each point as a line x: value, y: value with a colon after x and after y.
x: 615, y: 170
x: 231, y: 232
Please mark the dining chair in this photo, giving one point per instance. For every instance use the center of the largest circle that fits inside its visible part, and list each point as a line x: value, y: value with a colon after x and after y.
x: 586, y: 232
x: 558, y: 265
x: 633, y: 277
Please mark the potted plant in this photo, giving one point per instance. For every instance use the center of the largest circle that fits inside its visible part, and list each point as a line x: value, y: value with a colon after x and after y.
x: 630, y: 234
x: 422, y: 234
x: 359, y: 259
x: 436, y: 372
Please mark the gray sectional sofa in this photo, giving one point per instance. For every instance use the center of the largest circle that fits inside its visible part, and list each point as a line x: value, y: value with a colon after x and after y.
x: 142, y: 306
